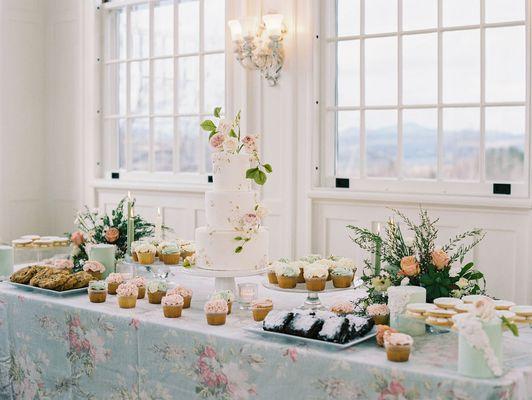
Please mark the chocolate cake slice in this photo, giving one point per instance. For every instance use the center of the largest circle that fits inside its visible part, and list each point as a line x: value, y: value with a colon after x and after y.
x: 358, y: 326
x: 305, y: 324
x: 277, y: 321
x: 335, y: 329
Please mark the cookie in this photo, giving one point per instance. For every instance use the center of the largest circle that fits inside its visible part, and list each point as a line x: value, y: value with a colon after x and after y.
x: 83, y: 278
x: 24, y: 275
x: 506, y: 314
x: 464, y: 307
x: 473, y: 298
x: 69, y: 283
x: 53, y: 281
x: 440, y: 313
x: 447, y: 302
x: 523, y: 311
x: 503, y: 304
x: 43, y: 274
x: 439, y: 321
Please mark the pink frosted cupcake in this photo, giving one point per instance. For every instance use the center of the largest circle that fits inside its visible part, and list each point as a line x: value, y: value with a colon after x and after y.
x: 380, y: 313
x: 141, y: 285
x: 216, y: 311
x: 184, y: 292
x: 95, y: 268
x: 172, y: 305
x: 127, y: 294
x: 343, y: 308
x: 113, y: 281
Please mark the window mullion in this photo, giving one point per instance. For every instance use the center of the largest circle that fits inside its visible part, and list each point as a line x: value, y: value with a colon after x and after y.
x: 362, y: 129
x: 128, y: 163
x: 201, y: 139
x: 439, y: 170
x: 399, y: 160
x: 177, y: 138
x: 482, y: 146
x: 151, y: 152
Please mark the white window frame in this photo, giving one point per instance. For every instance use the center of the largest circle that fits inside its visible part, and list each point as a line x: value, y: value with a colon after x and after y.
x: 110, y: 141
x: 325, y: 60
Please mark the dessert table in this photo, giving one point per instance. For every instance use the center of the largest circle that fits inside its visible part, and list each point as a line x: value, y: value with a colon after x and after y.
x: 69, y: 348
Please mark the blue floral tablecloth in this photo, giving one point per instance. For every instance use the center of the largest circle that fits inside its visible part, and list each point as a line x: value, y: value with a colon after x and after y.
x: 52, y: 348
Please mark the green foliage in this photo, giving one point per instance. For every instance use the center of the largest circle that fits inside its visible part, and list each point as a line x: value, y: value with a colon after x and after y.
x: 208, y: 125
x: 512, y: 327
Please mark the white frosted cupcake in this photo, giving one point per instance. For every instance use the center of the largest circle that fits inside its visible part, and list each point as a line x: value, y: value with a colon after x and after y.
x: 286, y: 275
x: 146, y: 253
x: 316, y: 277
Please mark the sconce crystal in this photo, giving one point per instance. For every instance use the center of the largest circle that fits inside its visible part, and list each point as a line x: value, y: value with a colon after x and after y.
x: 260, y: 46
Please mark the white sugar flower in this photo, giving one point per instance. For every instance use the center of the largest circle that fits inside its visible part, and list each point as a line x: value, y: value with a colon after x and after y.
x: 224, y: 127
x: 230, y: 144
x: 462, y: 283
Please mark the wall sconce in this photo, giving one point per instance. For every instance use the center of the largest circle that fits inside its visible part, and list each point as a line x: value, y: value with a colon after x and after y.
x: 260, y: 45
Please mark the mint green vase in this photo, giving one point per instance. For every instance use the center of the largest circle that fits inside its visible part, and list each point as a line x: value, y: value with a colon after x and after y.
x: 471, y: 362
x: 104, y: 253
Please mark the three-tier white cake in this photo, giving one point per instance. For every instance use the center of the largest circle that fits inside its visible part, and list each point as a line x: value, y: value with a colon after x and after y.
x: 229, y: 208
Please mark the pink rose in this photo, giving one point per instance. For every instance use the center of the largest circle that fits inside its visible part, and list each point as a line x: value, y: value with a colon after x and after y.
x: 112, y: 235
x: 217, y: 141
x: 250, y: 220
x: 440, y: 259
x: 93, y: 266
x: 410, y: 266
x: 250, y: 142
x: 77, y: 238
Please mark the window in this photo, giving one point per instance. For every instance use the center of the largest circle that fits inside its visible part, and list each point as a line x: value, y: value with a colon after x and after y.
x: 164, y: 70
x: 425, y: 95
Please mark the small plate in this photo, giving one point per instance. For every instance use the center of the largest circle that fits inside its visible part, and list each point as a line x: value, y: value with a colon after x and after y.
x: 337, y: 346
x: 525, y: 311
x: 49, y: 292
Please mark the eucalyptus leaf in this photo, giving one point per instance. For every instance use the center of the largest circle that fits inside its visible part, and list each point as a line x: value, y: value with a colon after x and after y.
x: 268, y: 168
x: 208, y: 125
x: 217, y: 111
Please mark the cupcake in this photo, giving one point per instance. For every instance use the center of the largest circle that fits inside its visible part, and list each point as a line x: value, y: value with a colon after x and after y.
x: 316, y: 277
x: 272, y: 277
x: 226, y: 295
x: 380, y: 313
x: 397, y: 346
x: 311, y: 258
x: 170, y: 255
x: 286, y: 275
x: 113, y: 281
x: 329, y: 264
x: 134, y: 246
x: 146, y: 253
x: 381, y: 331
x: 156, y: 290
x: 141, y: 284
x: 62, y: 264
x: 95, y: 268
x: 127, y: 294
x: 347, y: 263
x: 343, y: 308
x: 187, y: 249
x: 97, y: 291
x: 216, y: 312
x: 172, y: 305
x: 261, y: 308
x: 342, y: 277
x: 184, y: 292
x: 301, y: 265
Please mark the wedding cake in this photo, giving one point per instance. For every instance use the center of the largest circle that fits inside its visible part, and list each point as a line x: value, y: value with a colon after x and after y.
x: 234, y: 238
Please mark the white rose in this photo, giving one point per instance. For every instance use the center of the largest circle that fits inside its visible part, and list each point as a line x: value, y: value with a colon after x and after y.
x: 405, y: 281
x: 224, y: 127
x: 456, y: 293
x: 230, y: 144
x: 462, y: 283
x: 409, y: 241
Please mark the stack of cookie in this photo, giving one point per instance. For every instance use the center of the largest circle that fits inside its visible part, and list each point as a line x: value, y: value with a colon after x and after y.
x: 47, y: 277
x: 419, y: 310
x: 523, y: 314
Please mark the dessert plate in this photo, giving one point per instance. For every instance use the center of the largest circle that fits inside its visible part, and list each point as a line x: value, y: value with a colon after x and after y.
x: 49, y: 292
x: 336, y: 346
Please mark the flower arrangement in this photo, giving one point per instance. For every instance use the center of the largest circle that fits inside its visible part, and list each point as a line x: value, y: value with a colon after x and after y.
x: 247, y: 225
x: 418, y: 261
x: 94, y: 228
x: 226, y: 137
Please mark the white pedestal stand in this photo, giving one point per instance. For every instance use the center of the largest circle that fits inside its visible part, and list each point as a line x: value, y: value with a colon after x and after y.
x: 223, y: 280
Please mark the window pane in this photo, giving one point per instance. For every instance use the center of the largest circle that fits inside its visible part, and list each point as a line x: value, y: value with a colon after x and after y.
x: 189, y: 142
x: 163, y: 144
x: 208, y: 156
x: 214, y: 85
x: 188, y: 26
x: 505, y: 64
x: 461, y: 66
x: 116, y: 42
x: 348, y: 144
x: 381, y: 16
x: 115, y: 103
x: 461, y: 142
x: 140, y: 144
x: 188, y: 85
x: 420, y: 143
x: 348, y: 17
x: 140, y: 32
x: 420, y: 69
x: 505, y: 10
x: 163, y: 84
x: 140, y: 83
x: 163, y: 28
x: 505, y: 143
x: 381, y: 71
x: 381, y: 143
x: 348, y: 64
x: 461, y: 12
x: 214, y: 24
x: 122, y: 144
x: 420, y: 14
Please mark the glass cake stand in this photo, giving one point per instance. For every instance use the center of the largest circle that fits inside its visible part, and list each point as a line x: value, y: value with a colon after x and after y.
x: 312, y: 302
x: 223, y: 280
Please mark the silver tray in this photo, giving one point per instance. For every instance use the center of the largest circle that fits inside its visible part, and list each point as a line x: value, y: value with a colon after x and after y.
x: 48, y: 292
x: 336, y: 346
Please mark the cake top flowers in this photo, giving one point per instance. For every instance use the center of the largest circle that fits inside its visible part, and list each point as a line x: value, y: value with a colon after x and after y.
x: 114, y: 277
x: 181, y: 290
x: 157, y: 285
x: 93, y: 266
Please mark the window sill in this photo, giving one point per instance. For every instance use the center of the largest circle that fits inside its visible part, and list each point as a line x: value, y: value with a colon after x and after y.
x: 498, y: 202
x: 151, y: 186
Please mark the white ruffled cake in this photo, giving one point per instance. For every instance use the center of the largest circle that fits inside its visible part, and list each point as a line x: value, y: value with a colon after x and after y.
x: 229, y: 208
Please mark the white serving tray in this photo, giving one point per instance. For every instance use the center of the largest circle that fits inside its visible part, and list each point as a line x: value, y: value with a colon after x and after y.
x: 336, y: 346
x: 49, y: 292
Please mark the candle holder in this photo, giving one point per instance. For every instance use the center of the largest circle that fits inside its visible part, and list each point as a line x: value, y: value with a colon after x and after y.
x: 247, y: 292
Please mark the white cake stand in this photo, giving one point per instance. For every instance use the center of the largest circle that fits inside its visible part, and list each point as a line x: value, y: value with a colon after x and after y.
x: 312, y: 302
x: 223, y: 280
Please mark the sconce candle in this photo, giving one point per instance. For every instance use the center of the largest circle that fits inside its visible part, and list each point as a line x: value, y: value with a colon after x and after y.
x: 274, y: 24
x: 250, y: 26
x: 236, y: 30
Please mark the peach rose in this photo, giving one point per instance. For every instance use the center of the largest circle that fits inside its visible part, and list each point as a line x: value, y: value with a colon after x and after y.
x: 440, y: 259
x: 382, y: 331
x: 112, y: 234
x: 77, y: 238
x: 409, y: 266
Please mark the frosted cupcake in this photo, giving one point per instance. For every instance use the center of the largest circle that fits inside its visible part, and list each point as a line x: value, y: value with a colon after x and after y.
x: 343, y: 308
x: 184, y: 292
x: 226, y: 295
x: 380, y: 313
x: 97, y: 291
x: 113, y: 281
x: 397, y: 346
x: 216, y: 312
x: 286, y: 275
x: 311, y: 258
x: 172, y: 305
x: 347, y: 263
x: 187, y: 249
x: 156, y: 290
x: 170, y: 255
x: 329, y: 264
x: 141, y: 285
x: 342, y: 277
x: 261, y: 308
x: 95, y: 268
x: 146, y: 253
x: 316, y: 277
x: 62, y: 264
x: 272, y: 277
x: 134, y: 246
x: 301, y: 265
x: 127, y: 294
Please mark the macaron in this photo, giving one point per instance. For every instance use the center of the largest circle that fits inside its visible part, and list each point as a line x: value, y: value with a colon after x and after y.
x: 447, y: 302
x: 472, y: 298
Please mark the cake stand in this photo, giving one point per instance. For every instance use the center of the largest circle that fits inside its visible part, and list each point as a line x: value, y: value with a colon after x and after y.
x: 312, y: 302
x: 223, y: 280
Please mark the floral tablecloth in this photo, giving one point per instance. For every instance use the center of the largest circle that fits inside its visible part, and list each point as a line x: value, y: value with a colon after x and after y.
x: 68, y: 348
